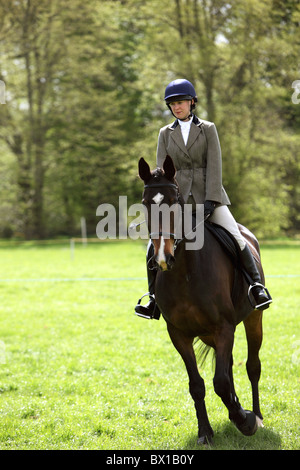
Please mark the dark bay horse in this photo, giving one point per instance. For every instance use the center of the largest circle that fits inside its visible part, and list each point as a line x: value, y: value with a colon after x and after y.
x: 194, y: 291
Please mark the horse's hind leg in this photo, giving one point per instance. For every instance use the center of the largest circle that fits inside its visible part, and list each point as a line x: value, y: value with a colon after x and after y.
x: 184, y: 345
x: 253, y: 328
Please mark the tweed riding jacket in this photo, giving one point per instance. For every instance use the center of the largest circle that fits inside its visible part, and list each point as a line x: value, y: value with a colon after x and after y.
x: 198, y: 163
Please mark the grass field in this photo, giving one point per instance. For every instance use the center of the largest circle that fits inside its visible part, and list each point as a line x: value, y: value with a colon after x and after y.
x: 78, y: 370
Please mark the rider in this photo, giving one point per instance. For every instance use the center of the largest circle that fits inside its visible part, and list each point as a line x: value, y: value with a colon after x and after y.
x: 194, y: 147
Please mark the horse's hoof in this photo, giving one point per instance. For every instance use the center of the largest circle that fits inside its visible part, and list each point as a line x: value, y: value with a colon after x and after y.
x: 249, y: 426
x: 205, y: 441
x: 259, y: 422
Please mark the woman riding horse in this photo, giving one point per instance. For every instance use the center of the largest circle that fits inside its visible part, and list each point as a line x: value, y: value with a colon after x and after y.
x: 194, y: 146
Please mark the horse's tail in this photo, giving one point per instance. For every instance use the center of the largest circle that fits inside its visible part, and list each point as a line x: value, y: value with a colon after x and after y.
x: 202, y: 351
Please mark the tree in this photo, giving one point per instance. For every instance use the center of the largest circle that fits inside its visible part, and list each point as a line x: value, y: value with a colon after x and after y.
x: 70, y: 112
x: 32, y: 48
x: 85, y: 85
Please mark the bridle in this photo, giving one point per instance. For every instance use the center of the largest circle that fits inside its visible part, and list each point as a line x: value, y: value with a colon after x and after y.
x: 167, y: 234
x: 163, y: 185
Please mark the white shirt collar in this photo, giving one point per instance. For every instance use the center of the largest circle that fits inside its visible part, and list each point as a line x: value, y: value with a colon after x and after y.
x: 185, y: 129
x: 185, y: 124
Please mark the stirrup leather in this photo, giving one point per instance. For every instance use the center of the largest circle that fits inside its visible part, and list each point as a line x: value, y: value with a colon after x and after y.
x: 253, y: 304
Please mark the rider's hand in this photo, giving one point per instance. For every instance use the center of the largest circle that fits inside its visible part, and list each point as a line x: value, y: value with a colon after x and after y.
x: 209, y: 207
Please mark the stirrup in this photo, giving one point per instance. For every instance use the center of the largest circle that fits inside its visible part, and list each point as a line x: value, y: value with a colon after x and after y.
x: 263, y: 304
x: 156, y: 313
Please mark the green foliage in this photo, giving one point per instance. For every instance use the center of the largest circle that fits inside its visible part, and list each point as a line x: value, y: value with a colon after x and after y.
x: 84, y: 101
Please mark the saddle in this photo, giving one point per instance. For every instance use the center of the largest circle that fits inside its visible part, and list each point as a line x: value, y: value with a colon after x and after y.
x: 230, y: 245
x: 226, y: 240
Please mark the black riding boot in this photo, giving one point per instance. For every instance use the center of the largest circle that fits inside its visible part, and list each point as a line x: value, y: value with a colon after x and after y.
x: 150, y: 310
x: 260, y: 293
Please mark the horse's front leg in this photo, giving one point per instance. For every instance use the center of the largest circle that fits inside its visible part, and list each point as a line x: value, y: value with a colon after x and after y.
x: 244, y: 420
x: 184, y: 345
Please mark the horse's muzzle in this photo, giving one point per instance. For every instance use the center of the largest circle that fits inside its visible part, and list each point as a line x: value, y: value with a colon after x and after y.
x: 167, y: 264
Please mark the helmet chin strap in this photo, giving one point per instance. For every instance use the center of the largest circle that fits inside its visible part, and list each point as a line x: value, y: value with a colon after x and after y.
x: 185, y: 119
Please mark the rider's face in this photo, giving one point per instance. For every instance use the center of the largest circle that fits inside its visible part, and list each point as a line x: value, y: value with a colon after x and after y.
x: 181, y: 109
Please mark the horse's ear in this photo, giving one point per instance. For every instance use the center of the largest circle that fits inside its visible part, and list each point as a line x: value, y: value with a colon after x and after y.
x: 144, y: 170
x: 169, y: 168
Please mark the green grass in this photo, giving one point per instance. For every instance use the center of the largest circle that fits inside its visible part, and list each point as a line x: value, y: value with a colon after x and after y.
x: 78, y: 370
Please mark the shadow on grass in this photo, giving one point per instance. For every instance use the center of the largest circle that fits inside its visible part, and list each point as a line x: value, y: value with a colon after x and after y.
x: 227, y: 437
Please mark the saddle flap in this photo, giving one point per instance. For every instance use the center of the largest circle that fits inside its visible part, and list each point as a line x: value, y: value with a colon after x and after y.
x: 226, y: 240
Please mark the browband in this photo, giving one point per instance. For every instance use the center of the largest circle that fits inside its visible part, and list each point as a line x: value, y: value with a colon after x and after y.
x: 161, y: 185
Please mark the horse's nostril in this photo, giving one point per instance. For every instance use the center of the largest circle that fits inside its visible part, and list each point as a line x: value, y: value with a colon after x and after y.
x: 170, y: 261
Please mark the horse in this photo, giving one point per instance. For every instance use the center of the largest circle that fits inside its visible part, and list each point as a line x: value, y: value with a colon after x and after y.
x: 201, y: 297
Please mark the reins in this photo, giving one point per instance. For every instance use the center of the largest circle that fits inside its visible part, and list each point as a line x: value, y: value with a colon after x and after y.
x: 178, y: 241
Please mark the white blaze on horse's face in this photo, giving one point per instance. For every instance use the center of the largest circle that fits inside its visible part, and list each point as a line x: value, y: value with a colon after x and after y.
x: 164, y: 247
x: 158, y: 198
x: 161, y: 258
